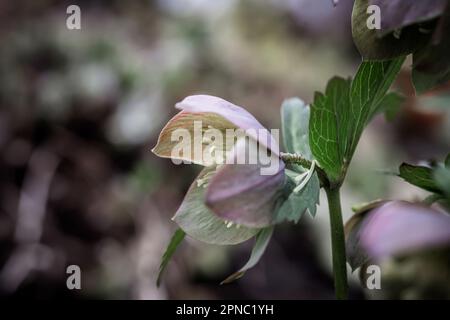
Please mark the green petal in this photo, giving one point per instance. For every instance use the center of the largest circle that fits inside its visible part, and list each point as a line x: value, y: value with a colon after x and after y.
x: 201, y: 224
x: 262, y: 240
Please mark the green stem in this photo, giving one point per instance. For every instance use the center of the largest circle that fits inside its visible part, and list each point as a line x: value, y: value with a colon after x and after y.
x: 295, y: 158
x: 337, y: 243
x: 305, y: 163
x: 337, y: 226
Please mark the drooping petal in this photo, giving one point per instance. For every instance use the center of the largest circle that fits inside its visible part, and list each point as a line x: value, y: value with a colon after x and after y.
x: 262, y: 240
x: 384, y: 44
x: 399, y: 227
x: 183, y: 136
x: 397, y: 14
x: 238, y: 116
x: 200, y: 223
x: 246, y: 193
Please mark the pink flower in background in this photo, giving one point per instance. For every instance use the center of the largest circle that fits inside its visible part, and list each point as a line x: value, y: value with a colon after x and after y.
x: 392, y: 228
x: 400, y: 227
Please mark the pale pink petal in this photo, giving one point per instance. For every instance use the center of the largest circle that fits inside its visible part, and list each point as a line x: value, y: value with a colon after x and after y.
x: 401, y: 227
x: 240, y: 117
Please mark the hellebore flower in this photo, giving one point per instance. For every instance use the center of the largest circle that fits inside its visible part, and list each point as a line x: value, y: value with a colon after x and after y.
x: 231, y: 200
x: 395, y: 228
x: 407, y: 27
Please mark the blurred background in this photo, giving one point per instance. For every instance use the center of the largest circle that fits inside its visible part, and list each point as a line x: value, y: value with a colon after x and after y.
x: 80, y: 111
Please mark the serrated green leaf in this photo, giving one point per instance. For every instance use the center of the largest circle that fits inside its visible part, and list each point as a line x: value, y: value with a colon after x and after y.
x: 339, y: 116
x: 329, y: 123
x: 295, y: 124
x: 202, y: 224
x: 372, y: 81
x: 298, y: 202
x: 262, y: 240
x: 175, y: 241
x: 419, y: 176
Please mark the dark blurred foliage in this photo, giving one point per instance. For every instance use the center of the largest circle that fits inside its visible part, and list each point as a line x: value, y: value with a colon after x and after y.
x: 423, y: 275
x: 80, y: 111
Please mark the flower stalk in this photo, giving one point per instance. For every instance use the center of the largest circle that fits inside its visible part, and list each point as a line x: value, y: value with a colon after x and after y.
x: 305, y: 163
x: 337, y: 243
x: 336, y: 224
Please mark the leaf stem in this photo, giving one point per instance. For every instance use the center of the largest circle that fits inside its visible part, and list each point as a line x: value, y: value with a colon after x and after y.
x: 337, y: 243
x: 305, y: 163
x: 296, y: 158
